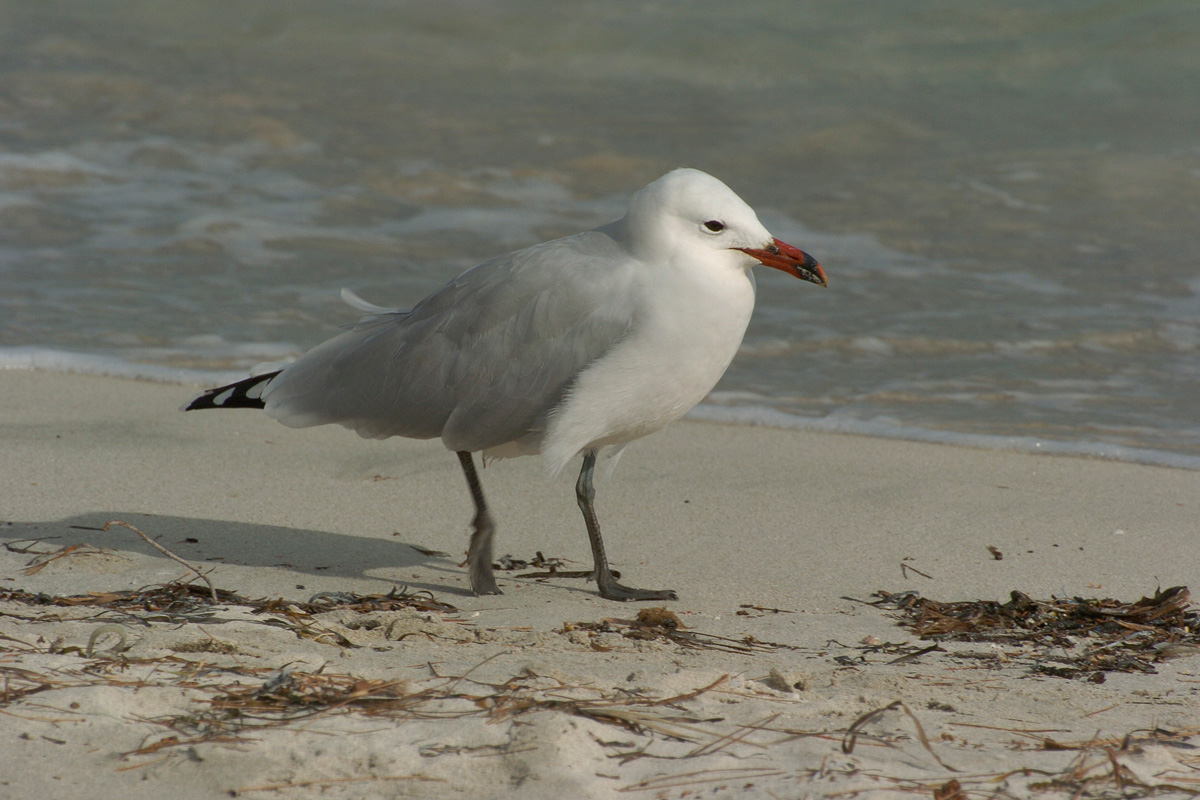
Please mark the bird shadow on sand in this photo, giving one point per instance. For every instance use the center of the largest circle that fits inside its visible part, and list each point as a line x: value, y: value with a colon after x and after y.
x: 206, y: 543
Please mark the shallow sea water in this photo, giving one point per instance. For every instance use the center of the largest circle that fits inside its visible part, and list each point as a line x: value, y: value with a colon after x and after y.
x: 1006, y: 197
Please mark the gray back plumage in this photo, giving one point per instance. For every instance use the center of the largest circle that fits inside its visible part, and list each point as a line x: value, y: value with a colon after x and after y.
x: 482, y: 362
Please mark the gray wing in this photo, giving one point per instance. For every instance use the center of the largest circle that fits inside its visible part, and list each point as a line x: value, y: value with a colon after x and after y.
x: 482, y: 362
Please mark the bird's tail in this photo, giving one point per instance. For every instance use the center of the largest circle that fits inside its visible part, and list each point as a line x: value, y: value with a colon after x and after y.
x: 246, y: 393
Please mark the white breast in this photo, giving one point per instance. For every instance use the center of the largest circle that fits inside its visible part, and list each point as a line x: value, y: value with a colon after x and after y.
x: 686, y: 333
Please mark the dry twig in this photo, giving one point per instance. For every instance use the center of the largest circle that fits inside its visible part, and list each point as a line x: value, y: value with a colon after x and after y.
x: 201, y: 575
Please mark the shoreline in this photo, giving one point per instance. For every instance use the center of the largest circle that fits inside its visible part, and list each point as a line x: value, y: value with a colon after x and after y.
x: 43, y: 359
x: 778, y: 535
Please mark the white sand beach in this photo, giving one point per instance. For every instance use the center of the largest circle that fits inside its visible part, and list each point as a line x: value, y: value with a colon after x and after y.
x: 775, y: 541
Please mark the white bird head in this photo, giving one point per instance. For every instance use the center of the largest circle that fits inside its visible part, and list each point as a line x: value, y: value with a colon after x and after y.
x: 688, y: 213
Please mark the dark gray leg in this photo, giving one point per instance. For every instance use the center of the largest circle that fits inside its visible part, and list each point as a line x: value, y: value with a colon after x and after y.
x: 609, y: 588
x: 479, y: 553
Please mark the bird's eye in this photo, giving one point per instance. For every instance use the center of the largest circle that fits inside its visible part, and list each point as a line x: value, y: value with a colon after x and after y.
x: 715, y: 225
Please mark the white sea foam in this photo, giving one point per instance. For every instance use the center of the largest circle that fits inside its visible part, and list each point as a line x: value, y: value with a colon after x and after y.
x: 51, y: 360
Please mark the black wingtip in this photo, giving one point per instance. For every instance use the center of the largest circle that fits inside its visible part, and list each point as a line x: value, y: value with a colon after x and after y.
x: 242, y: 394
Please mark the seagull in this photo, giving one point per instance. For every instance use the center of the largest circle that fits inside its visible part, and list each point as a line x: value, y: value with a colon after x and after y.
x: 566, y: 348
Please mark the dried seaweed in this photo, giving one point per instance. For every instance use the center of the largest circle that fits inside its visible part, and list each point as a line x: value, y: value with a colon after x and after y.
x: 19, y: 683
x: 551, y: 565
x: 950, y: 790
x: 235, y: 700
x: 523, y: 694
x: 172, y: 598
x: 177, y: 602
x: 179, y: 598
x: 853, y: 732
x: 1079, y: 637
x: 41, y: 560
x: 394, y: 600
x: 661, y: 624
x: 751, y: 610
x: 234, y: 709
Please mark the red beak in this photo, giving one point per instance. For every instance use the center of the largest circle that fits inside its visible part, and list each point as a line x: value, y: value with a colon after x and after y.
x: 791, y: 260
